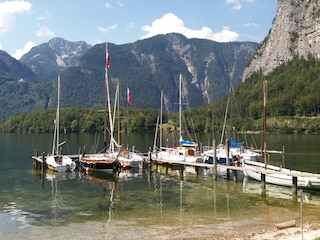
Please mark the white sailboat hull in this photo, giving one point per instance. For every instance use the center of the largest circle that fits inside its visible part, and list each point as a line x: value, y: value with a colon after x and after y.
x: 282, y: 176
x: 167, y: 156
x: 60, y: 163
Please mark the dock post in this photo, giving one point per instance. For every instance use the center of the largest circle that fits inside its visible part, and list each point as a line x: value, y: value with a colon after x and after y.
x: 196, y: 168
x: 149, y: 159
x: 181, y: 171
x: 263, y: 181
x: 214, y: 160
x: 294, y: 185
x: 227, y: 158
x: 43, y: 159
x: 283, y: 161
x: 167, y: 167
x: 235, y: 175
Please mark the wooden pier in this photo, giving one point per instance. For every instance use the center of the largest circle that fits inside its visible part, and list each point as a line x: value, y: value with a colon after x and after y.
x: 236, y: 169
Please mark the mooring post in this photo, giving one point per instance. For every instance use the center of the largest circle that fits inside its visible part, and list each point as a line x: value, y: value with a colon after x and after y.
x: 197, y: 170
x: 294, y: 185
x: 283, y: 160
x: 149, y: 159
x: 214, y: 160
x: 263, y: 181
x: 227, y: 158
x: 43, y: 161
x: 235, y: 175
x: 181, y: 171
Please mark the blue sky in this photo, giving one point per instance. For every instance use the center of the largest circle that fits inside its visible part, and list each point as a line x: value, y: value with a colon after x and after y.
x: 26, y: 23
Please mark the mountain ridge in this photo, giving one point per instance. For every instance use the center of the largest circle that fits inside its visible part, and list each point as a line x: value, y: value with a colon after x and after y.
x: 146, y: 66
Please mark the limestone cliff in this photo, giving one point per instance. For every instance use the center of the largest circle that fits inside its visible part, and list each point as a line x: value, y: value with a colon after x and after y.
x: 295, y: 31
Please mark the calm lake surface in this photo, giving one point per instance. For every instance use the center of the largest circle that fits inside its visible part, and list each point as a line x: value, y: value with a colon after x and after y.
x: 145, y: 204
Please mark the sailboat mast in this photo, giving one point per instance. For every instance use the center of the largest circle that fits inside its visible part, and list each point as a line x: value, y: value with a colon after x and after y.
x: 118, y: 111
x: 265, y: 121
x: 160, y: 140
x: 180, y: 104
x: 107, y: 102
x: 55, y: 143
x: 58, y: 117
x: 225, y: 117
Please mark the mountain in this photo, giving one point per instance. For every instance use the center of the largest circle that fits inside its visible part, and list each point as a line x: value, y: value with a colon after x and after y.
x: 11, y: 70
x: 295, y: 31
x: 153, y: 65
x: 146, y: 67
x: 50, y: 59
x: 19, y: 87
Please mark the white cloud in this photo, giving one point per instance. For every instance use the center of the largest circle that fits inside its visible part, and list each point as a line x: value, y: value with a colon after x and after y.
x: 252, y: 24
x: 44, y: 32
x: 170, y: 23
x: 7, y: 11
x: 107, y: 29
x: 237, y: 4
x: 108, y: 5
x: 121, y: 4
x: 131, y: 25
x: 44, y: 17
x: 20, y: 52
x: 0, y: 46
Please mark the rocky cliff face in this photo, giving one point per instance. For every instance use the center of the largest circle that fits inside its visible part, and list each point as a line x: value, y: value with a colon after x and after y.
x: 49, y: 59
x: 295, y: 31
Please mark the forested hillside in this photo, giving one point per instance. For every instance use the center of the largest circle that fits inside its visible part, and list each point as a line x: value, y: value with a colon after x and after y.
x: 293, y: 105
x: 147, y: 67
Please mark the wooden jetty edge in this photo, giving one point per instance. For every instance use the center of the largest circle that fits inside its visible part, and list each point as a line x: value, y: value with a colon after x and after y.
x: 235, y: 170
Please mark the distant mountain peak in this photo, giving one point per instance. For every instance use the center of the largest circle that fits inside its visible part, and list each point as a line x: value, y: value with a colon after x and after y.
x: 54, y: 56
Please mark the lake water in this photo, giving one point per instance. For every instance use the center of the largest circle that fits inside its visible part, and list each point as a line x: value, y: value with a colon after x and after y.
x: 145, y: 204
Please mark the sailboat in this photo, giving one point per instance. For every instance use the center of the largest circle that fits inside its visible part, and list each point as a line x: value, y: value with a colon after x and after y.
x: 129, y: 158
x: 186, y: 151
x: 236, y: 150
x: 277, y: 175
x: 57, y: 161
x: 107, y: 159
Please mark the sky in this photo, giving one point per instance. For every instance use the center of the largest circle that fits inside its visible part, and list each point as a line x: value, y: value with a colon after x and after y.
x: 27, y: 23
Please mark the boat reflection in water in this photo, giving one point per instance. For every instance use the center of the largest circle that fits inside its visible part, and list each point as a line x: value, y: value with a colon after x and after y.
x: 250, y: 186
x: 164, y: 202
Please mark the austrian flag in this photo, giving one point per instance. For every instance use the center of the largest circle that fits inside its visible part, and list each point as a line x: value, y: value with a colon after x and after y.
x: 107, y: 58
x: 129, y: 96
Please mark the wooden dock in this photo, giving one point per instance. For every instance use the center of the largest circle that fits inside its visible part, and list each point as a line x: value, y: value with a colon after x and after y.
x: 236, y: 169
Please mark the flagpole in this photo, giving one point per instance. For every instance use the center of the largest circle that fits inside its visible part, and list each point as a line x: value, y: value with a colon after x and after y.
x: 127, y: 117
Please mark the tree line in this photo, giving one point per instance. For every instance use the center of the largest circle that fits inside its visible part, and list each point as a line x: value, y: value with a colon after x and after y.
x: 293, y: 105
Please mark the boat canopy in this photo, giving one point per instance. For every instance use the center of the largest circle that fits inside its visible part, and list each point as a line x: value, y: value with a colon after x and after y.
x: 234, y: 144
x: 187, y: 143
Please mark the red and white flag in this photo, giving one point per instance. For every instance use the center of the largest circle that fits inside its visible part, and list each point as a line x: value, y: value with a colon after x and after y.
x: 107, y: 58
x: 129, y: 96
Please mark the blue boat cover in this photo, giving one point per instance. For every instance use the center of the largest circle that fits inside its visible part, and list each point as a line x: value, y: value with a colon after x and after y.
x: 234, y: 144
x: 187, y: 143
